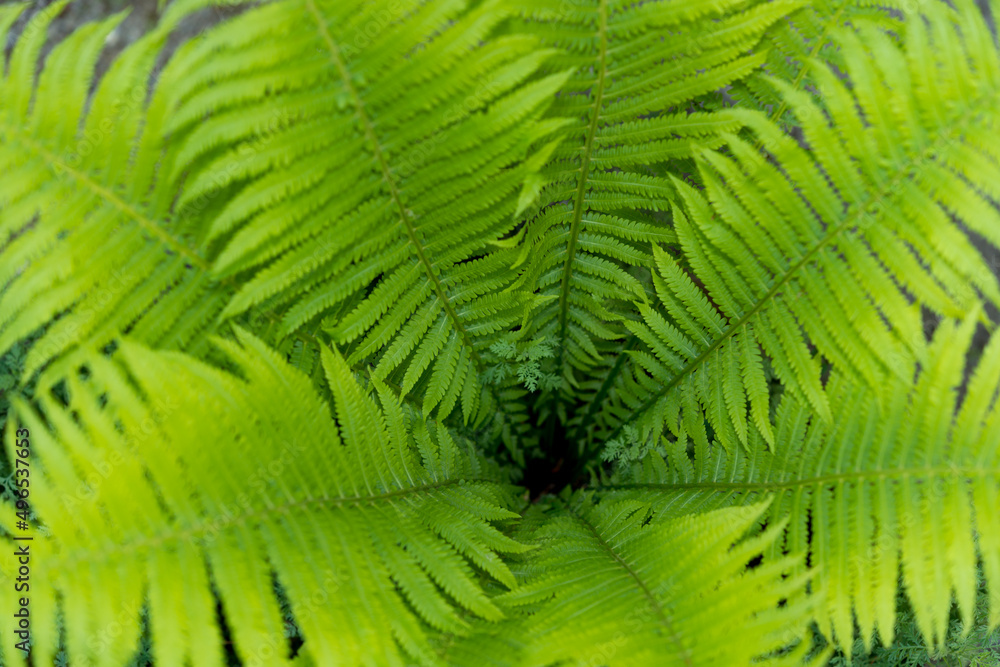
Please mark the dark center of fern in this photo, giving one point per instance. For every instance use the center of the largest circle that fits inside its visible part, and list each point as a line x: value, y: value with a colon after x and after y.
x: 558, y: 466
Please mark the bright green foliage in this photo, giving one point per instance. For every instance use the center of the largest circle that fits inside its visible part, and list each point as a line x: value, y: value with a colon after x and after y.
x: 82, y: 175
x: 642, y: 592
x: 288, y: 311
x: 965, y: 647
x: 145, y: 500
x: 867, y: 227
x: 361, y: 208
x: 901, y: 490
x: 801, y: 43
x: 627, y: 98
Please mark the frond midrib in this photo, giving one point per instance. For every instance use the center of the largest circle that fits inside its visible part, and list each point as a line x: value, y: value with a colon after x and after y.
x: 941, y: 140
x: 653, y: 602
x: 107, y: 195
x: 854, y: 476
x: 369, y: 130
x: 210, y: 524
x: 581, y: 190
x: 416, y: 404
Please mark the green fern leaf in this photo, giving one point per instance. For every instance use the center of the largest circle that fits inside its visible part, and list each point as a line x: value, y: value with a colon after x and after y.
x: 87, y: 237
x: 637, y: 69
x: 831, y: 250
x: 394, y: 250
x: 609, y: 586
x: 903, y: 490
x: 370, y: 519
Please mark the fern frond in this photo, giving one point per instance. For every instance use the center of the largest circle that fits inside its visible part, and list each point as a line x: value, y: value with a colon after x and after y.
x: 638, y: 67
x: 374, y: 523
x: 909, y: 490
x: 375, y: 207
x: 89, y: 247
x: 833, y: 249
x: 436, y: 226
x: 608, y: 585
x: 803, y: 41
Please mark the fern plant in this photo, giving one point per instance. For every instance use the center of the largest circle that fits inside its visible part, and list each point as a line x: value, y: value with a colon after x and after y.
x: 463, y: 332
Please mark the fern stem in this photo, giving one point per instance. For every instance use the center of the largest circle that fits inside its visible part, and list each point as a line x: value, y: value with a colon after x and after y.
x: 369, y: 130
x: 654, y: 603
x: 854, y: 476
x: 210, y: 525
x: 581, y: 189
x: 107, y: 195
